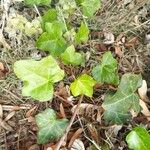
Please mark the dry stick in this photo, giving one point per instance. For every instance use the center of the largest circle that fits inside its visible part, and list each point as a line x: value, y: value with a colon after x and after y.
x: 70, y: 124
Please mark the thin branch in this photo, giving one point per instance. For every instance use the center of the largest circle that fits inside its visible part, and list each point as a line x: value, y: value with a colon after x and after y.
x: 70, y: 124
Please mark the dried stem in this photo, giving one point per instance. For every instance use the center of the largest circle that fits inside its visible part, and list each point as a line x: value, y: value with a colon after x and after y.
x: 70, y: 124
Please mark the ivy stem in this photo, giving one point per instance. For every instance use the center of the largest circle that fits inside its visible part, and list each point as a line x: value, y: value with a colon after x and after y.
x: 70, y: 124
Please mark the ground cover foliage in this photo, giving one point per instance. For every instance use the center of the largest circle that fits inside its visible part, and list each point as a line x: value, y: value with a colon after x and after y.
x: 73, y: 76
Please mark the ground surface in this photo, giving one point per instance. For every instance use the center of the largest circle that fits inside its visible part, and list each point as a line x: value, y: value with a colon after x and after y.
x: 118, y: 17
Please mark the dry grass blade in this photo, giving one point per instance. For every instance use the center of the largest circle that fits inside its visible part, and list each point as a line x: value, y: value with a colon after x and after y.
x: 4, y: 125
x: 9, y: 116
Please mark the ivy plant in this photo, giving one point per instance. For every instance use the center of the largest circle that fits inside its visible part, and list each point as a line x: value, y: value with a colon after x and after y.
x: 83, y: 85
x: 38, y: 77
x: 52, y: 39
x: 72, y: 57
x: 106, y: 72
x: 50, y: 128
x: 82, y: 34
x: 138, y: 139
x: 37, y: 2
x: 89, y: 7
x: 117, y: 106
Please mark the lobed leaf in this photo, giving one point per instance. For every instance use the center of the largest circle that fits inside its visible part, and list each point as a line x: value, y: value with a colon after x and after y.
x: 138, y: 139
x: 38, y: 77
x: 83, y: 85
x: 82, y: 34
x: 106, y: 72
x: 89, y: 7
x: 118, y: 106
x: 38, y: 2
x: 72, y: 57
x: 50, y: 128
x: 52, y: 39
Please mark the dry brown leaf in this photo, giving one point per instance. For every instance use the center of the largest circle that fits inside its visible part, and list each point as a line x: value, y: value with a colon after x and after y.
x: 109, y: 38
x: 34, y: 147
x: 143, y: 90
x: 77, y: 145
x: 31, y: 111
x: 145, y: 111
x: 90, y: 111
x: 1, y: 66
x: 93, y: 132
x: 62, y: 111
x: 132, y: 43
x: 75, y: 136
x: 118, y: 51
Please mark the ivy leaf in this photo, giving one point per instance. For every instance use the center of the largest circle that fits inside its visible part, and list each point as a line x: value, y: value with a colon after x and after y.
x: 38, y: 77
x: 50, y: 128
x: 72, y: 57
x: 117, y: 107
x: 89, y: 7
x: 49, y: 16
x: 48, y: 42
x: 106, y: 72
x: 82, y: 34
x: 138, y: 139
x: 83, y: 85
x: 38, y: 2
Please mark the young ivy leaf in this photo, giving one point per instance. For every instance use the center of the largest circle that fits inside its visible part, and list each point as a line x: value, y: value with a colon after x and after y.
x: 106, y: 72
x: 82, y: 34
x: 118, y: 106
x: 50, y: 128
x: 52, y: 39
x: 89, y: 7
x: 38, y: 2
x: 72, y: 57
x: 138, y: 139
x: 38, y: 77
x: 49, y: 16
x: 83, y: 85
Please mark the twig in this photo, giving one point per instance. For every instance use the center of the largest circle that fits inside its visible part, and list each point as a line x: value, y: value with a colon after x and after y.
x: 10, y: 108
x: 70, y: 124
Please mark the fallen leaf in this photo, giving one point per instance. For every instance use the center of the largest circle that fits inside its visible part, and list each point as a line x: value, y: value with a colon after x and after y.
x: 89, y: 111
x: 108, y: 38
x: 145, y: 111
x: 93, y: 132
x: 118, y: 51
x: 77, y: 145
x: 74, y: 137
x: 143, y: 90
x: 31, y: 111
x: 1, y: 66
x: 62, y: 111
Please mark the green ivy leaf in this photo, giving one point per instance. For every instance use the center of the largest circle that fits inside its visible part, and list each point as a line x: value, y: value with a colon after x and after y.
x: 89, y: 7
x: 138, y: 139
x: 50, y: 16
x: 38, y: 77
x: 106, y: 72
x: 48, y: 42
x: 83, y: 85
x: 50, y: 128
x: 117, y: 107
x: 38, y: 2
x: 82, y: 34
x: 72, y: 57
